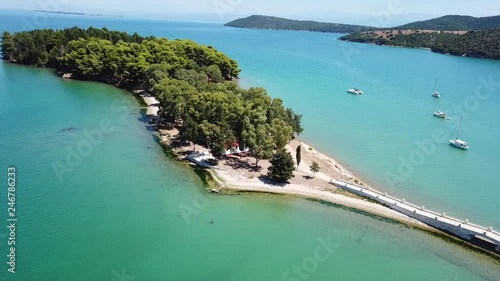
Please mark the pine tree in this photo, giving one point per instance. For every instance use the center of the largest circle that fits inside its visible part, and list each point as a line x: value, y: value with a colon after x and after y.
x: 298, y: 156
x: 282, y: 167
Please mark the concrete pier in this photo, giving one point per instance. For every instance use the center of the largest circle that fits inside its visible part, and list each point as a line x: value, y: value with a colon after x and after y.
x: 479, y: 235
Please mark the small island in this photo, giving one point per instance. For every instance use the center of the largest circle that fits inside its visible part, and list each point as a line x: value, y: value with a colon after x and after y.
x: 70, y: 13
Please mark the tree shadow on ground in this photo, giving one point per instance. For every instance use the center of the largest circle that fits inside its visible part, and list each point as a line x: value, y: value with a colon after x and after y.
x: 177, y: 143
x: 241, y: 163
x: 265, y: 179
x: 164, y: 126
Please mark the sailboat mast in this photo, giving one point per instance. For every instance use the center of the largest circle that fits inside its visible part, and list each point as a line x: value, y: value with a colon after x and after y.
x: 459, y: 127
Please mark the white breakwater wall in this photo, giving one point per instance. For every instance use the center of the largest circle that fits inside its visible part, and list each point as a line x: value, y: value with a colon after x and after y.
x: 462, y: 229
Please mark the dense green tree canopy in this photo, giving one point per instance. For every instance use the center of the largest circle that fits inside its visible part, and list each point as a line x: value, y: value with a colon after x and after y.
x: 481, y: 44
x: 221, y: 114
x: 189, y: 80
x: 455, y: 22
x: 282, y: 167
x: 113, y: 56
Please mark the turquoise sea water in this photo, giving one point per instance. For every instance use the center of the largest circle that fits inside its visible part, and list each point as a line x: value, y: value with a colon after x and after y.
x: 117, y: 209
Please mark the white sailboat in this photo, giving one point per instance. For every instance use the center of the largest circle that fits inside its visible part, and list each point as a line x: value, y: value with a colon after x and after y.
x: 354, y: 90
x: 435, y: 92
x: 458, y: 143
x: 439, y: 113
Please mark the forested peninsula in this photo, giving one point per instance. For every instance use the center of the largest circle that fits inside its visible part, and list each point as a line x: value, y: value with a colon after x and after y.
x: 454, y: 35
x: 193, y: 83
x: 479, y: 44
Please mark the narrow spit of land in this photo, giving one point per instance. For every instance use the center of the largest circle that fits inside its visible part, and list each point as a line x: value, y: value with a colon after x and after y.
x: 240, y: 175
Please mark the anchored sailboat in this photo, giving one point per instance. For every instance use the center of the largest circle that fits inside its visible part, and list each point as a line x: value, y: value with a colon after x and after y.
x: 354, y: 90
x: 458, y: 143
x: 439, y: 113
x: 435, y: 92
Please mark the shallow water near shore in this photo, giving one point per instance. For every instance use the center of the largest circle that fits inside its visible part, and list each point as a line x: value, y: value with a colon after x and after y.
x: 117, y: 210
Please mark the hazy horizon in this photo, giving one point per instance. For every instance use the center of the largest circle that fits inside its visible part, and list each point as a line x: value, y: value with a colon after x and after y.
x: 353, y: 12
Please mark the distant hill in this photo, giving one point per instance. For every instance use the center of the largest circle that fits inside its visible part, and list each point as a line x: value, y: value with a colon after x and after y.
x: 268, y: 22
x: 455, y: 23
x: 455, y: 35
x: 480, y: 44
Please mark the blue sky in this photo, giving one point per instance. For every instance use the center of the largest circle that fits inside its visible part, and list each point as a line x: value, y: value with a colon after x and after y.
x: 352, y: 11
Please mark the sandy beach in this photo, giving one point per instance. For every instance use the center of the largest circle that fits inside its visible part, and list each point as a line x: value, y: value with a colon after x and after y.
x: 305, y: 184
x: 240, y: 174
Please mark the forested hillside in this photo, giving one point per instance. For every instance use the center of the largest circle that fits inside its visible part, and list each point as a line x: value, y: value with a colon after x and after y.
x: 452, y: 22
x: 481, y: 44
x: 267, y: 22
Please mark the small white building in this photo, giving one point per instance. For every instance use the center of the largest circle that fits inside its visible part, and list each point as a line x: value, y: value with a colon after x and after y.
x: 153, y: 111
x: 151, y: 101
x: 234, y: 149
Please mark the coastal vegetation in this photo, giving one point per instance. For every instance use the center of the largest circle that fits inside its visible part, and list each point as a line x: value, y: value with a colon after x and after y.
x: 455, y: 22
x: 444, y: 23
x: 268, y: 22
x: 110, y: 56
x: 480, y: 44
x: 193, y: 83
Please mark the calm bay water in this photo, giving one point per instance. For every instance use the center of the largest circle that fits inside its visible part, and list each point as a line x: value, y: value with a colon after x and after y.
x: 117, y: 210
